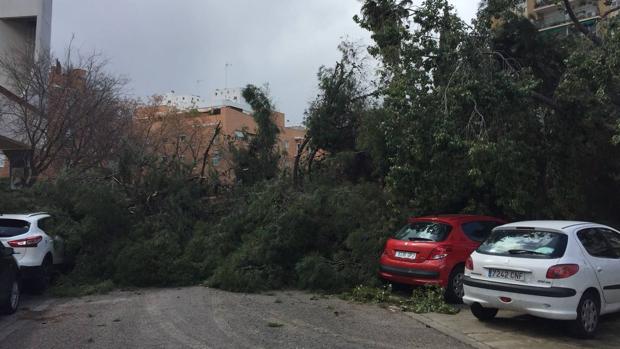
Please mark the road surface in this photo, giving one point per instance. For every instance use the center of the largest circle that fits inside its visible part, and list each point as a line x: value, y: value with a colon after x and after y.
x: 200, y: 317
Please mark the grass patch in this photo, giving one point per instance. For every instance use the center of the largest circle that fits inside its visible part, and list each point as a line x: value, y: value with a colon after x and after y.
x: 426, y: 299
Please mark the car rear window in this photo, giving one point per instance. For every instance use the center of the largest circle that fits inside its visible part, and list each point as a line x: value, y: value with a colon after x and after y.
x: 526, y: 244
x: 423, y: 231
x: 13, y: 227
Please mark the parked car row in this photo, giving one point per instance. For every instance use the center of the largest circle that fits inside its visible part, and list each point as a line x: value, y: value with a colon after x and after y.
x: 560, y: 270
x: 27, y: 255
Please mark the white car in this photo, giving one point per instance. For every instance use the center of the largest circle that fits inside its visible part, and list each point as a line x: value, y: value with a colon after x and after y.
x: 551, y: 269
x: 36, y: 252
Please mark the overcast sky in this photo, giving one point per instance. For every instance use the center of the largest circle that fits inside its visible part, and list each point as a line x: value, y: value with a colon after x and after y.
x: 184, y: 45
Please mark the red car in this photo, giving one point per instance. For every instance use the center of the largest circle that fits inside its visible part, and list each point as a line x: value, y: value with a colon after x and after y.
x: 432, y: 251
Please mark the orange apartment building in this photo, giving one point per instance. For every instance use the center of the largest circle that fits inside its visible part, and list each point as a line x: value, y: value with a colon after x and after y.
x: 175, y: 126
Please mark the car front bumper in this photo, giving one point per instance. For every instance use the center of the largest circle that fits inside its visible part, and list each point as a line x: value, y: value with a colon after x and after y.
x: 550, y: 303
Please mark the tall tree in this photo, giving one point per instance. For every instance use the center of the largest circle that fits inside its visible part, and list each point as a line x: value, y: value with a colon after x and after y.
x: 258, y: 159
x: 495, y: 116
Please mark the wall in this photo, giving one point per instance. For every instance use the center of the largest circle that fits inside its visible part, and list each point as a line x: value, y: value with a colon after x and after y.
x: 22, y: 21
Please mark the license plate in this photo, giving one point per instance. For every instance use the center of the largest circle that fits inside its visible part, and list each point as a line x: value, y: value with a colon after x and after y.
x: 404, y: 254
x: 507, y: 274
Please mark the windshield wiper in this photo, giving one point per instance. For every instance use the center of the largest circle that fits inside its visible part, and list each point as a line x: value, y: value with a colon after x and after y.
x: 526, y: 252
x: 420, y: 239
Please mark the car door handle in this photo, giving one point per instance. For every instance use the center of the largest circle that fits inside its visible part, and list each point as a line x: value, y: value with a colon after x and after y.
x: 599, y: 269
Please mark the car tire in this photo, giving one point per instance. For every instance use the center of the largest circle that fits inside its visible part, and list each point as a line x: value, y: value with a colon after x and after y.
x: 588, y: 315
x: 482, y: 313
x: 10, y: 291
x: 43, y: 277
x: 454, y: 291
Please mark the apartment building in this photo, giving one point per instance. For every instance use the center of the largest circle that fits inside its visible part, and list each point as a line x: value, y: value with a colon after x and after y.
x: 551, y: 16
x: 180, y: 126
x: 24, y: 25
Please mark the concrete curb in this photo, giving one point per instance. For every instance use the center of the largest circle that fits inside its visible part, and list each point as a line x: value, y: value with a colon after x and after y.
x: 463, y: 338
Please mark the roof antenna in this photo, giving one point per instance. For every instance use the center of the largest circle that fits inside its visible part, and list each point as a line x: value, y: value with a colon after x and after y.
x: 226, y: 66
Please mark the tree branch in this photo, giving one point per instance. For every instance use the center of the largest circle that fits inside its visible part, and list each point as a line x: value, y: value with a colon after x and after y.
x: 610, y: 11
x: 296, y: 176
x: 590, y: 35
x: 216, y: 133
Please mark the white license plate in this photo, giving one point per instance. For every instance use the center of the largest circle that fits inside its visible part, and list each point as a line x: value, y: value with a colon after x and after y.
x: 404, y: 254
x: 507, y: 274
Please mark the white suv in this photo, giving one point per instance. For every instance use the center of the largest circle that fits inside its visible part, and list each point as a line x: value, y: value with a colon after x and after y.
x: 552, y: 269
x: 35, y: 251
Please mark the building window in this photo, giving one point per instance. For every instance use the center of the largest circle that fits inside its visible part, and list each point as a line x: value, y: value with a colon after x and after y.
x: 2, y: 160
x: 239, y: 135
x: 182, y: 138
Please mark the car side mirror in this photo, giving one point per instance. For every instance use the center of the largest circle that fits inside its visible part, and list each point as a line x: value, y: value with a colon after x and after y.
x: 6, y: 252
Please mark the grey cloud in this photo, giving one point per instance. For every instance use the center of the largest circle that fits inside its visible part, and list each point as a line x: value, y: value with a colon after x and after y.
x: 164, y: 45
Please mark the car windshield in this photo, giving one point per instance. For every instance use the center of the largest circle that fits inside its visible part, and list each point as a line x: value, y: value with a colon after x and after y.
x: 526, y: 244
x: 13, y: 227
x: 423, y: 231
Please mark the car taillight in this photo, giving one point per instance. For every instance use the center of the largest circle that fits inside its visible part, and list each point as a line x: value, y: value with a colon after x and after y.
x: 562, y: 271
x: 469, y: 263
x: 28, y: 242
x: 440, y: 252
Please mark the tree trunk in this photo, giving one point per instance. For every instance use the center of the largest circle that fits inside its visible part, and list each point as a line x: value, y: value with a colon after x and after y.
x: 296, y: 174
x: 310, y: 162
x: 205, y: 156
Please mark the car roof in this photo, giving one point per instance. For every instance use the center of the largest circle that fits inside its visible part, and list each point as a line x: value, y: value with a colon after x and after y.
x: 554, y: 225
x: 455, y: 217
x: 24, y: 216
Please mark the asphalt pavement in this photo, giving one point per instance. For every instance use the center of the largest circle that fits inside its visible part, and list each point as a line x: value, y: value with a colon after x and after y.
x: 200, y: 317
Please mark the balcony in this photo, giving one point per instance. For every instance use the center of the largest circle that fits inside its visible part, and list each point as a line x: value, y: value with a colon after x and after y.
x: 545, y: 6
x: 556, y: 15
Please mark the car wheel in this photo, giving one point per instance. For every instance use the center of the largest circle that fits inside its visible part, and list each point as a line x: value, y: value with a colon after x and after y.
x: 482, y: 313
x: 9, y: 297
x: 588, y: 312
x: 455, y: 291
x: 43, y: 277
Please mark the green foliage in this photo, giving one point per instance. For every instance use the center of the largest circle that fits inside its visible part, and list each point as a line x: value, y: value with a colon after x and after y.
x: 366, y: 294
x: 494, y: 117
x: 315, y: 272
x: 258, y: 160
x: 333, y: 117
x: 428, y: 299
x: 424, y: 299
x: 324, y: 237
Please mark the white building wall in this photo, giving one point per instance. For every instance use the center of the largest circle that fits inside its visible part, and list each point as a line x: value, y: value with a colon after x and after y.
x: 24, y: 23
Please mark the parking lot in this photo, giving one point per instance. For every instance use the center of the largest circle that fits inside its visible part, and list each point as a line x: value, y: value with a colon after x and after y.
x: 199, y: 317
